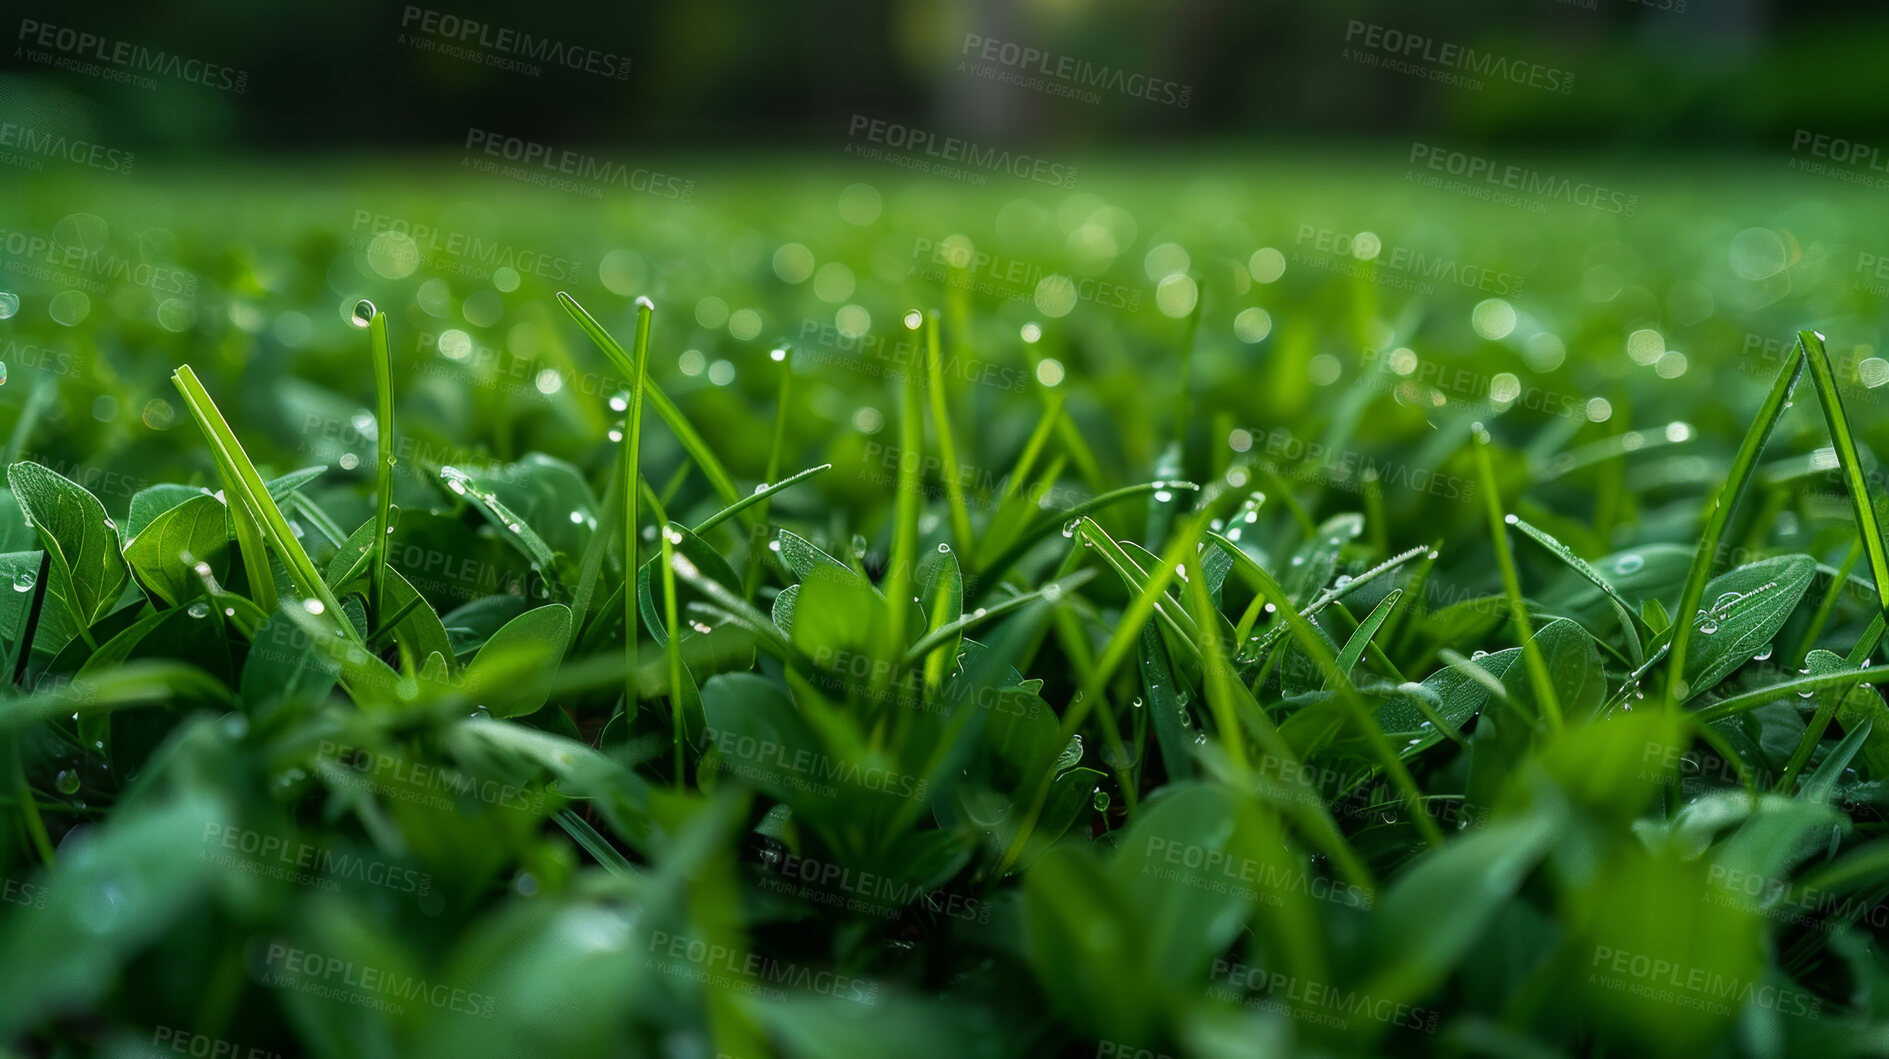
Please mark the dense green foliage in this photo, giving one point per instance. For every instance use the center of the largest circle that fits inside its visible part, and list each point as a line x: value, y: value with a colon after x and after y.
x: 1134, y: 621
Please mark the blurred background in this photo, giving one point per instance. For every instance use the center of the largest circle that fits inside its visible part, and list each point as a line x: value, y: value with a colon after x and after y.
x: 737, y: 74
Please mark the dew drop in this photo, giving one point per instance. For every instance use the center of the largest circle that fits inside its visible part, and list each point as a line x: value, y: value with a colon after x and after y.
x: 199, y: 609
x: 643, y: 302
x: 364, y: 312
x: 943, y: 548
x: 1765, y: 654
x: 25, y: 580
x: 67, y: 781
x: 313, y: 606
x: 1628, y: 564
x: 9, y: 304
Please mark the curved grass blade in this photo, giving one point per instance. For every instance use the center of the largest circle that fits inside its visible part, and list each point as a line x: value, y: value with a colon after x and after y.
x: 1744, y: 467
x: 246, y: 486
x: 1518, y: 606
x: 384, y: 459
x: 1354, y: 647
x: 947, y: 442
x: 685, y: 431
x: 1050, y: 593
x: 760, y: 495
x: 1628, y: 619
x: 989, y: 575
x: 1810, y: 347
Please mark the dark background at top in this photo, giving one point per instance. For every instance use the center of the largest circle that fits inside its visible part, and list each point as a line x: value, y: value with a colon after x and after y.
x: 728, y: 75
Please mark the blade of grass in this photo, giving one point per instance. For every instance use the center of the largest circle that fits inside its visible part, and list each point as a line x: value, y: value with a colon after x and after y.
x: 901, y: 567
x: 684, y: 431
x: 1322, y: 657
x: 629, y: 471
x: 989, y: 575
x: 784, y: 355
x: 1718, y: 514
x: 1811, y: 351
x: 1050, y: 593
x: 1354, y: 647
x: 1629, y: 621
x: 384, y: 462
x: 1512, y: 585
x: 947, y: 442
x: 248, y: 489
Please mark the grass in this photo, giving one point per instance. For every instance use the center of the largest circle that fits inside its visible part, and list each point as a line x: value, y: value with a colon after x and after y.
x: 993, y: 680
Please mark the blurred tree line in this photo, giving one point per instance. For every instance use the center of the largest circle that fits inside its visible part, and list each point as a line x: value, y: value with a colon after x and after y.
x: 735, y: 74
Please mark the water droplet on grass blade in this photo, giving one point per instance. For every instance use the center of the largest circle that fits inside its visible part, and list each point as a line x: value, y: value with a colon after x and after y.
x: 67, y: 781
x: 364, y: 313
x: 9, y: 304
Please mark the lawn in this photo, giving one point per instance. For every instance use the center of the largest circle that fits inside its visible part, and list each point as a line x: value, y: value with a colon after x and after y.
x: 1219, y: 604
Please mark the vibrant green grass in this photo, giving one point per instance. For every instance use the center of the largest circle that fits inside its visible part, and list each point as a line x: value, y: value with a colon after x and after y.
x: 1117, y: 681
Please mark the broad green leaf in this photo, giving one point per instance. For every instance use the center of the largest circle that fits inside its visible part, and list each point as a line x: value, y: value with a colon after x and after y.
x: 511, y: 674
x: 1744, y: 609
x: 164, y: 553
x: 88, y: 571
x: 149, y: 503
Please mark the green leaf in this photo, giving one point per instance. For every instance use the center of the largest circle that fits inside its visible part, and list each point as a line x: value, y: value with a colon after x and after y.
x: 706, y: 559
x: 511, y: 527
x: 511, y: 674
x: 147, y: 504
x: 165, y: 552
x: 941, y: 593
x: 1745, y: 609
x: 88, y: 571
